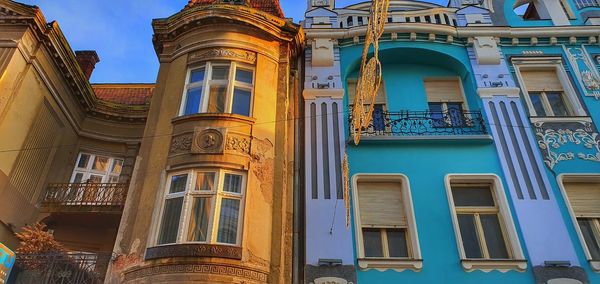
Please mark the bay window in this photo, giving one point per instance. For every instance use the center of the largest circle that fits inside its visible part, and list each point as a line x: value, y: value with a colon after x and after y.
x: 219, y: 87
x: 203, y: 206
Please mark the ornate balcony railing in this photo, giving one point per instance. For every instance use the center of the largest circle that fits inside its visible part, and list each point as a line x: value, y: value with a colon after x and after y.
x: 61, y: 268
x: 425, y: 123
x: 68, y: 195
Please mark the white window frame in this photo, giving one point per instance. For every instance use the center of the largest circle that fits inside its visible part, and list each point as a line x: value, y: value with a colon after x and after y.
x: 570, y: 97
x: 566, y: 177
x: 517, y: 262
x: 87, y: 171
x: 230, y: 83
x: 216, y: 196
x: 414, y: 261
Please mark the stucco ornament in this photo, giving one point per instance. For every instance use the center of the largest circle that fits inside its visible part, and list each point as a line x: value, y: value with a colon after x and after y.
x: 552, y: 140
x: 181, y: 144
x: 584, y: 70
x: 223, y: 53
x: 207, y: 141
x: 369, y: 79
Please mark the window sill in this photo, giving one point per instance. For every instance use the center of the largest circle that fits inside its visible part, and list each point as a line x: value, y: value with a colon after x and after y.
x: 535, y: 119
x: 397, y: 264
x: 487, y: 265
x: 214, y: 116
x: 433, y: 138
x: 595, y: 264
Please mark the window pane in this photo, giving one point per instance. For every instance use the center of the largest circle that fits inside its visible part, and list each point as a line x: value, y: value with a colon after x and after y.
x: 83, y: 161
x: 228, y: 221
x: 170, y: 221
x: 244, y: 76
x: 178, y: 183
x: 205, y: 181
x: 591, y: 237
x: 455, y: 112
x: 493, y: 236
x: 372, y: 243
x: 378, y: 118
x: 469, y: 236
x: 113, y: 179
x: 536, y: 101
x: 557, y: 103
x: 437, y: 115
x: 192, y: 102
x: 397, y: 243
x: 233, y: 183
x: 472, y: 196
x: 216, y: 99
x: 117, y: 167
x: 220, y: 72
x: 100, y: 164
x: 241, y: 102
x: 198, y: 229
x: 95, y: 179
x: 78, y: 178
x: 197, y: 75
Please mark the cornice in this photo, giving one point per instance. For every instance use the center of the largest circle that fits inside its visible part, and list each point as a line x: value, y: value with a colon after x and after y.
x: 169, y: 29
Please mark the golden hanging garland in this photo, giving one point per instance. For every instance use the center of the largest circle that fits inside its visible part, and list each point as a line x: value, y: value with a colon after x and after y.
x: 345, y: 171
x: 369, y: 79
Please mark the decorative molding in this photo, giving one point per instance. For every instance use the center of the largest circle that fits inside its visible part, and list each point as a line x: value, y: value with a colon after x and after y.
x: 217, y: 269
x: 584, y: 70
x: 552, y: 137
x: 181, y: 144
x: 238, y: 143
x: 397, y: 265
x: 330, y: 280
x: 194, y: 250
x: 222, y: 53
x: 208, y: 141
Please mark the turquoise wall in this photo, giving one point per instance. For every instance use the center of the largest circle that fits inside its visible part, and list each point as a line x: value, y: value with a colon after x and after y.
x: 575, y: 166
x: 428, y: 162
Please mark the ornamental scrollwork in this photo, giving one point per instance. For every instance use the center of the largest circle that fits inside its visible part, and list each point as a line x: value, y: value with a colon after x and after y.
x: 181, y: 144
x: 552, y: 140
x: 223, y: 53
x: 584, y: 70
x: 238, y: 144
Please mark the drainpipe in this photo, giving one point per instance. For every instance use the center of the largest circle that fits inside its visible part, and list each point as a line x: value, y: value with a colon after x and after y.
x: 298, y: 234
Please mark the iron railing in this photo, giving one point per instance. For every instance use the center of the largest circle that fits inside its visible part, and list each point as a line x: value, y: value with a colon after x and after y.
x: 61, y: 268
x: 85, y: 194
x: 586, y: 3
x: 425, y: 123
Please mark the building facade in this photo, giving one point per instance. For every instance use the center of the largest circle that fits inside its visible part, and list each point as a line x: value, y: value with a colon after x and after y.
x: 481, y: 162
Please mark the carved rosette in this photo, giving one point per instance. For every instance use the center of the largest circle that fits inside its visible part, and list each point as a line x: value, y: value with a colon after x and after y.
x: 181, y: 144
x: 208, y: 141
x: 565, y: 141
x: 222, y: 54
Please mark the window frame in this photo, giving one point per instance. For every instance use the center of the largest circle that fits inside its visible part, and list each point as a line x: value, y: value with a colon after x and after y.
x: 568, y: 177
x: 513, y: 245
x: 216, y: 196
x: 570, y: 96
x: 414, y: 260
x: 230, y: 83
x: 87, y: 171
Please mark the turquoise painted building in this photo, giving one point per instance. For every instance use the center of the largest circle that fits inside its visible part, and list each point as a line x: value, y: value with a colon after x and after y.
x: 482, y: 160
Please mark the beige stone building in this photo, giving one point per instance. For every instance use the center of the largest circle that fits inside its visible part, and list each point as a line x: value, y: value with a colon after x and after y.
x: 188, y: 179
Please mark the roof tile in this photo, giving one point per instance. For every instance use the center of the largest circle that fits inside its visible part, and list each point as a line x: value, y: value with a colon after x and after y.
x: 125, y: 94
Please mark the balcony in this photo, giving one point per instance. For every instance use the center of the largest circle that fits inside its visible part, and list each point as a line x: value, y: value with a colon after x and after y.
x: 85, y: 197
x: 446, y: 125
x: 61, y: 267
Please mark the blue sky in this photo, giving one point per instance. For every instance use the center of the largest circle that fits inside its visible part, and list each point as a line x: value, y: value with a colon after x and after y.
x: 121, y: 33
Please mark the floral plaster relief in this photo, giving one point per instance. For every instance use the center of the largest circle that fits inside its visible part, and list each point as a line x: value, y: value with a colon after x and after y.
x: 561, y: 143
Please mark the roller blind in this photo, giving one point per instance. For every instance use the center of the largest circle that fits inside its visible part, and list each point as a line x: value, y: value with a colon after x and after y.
x: 584, y: 198
x: 381, y: 204
x: 443, y: 90
x: 380, y: 99
x: 541, y: 80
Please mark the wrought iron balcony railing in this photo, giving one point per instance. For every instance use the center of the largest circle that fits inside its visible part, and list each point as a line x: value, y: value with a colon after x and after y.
x: 425, y: 123
x: 85, y: 194
x: 61, y: 268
